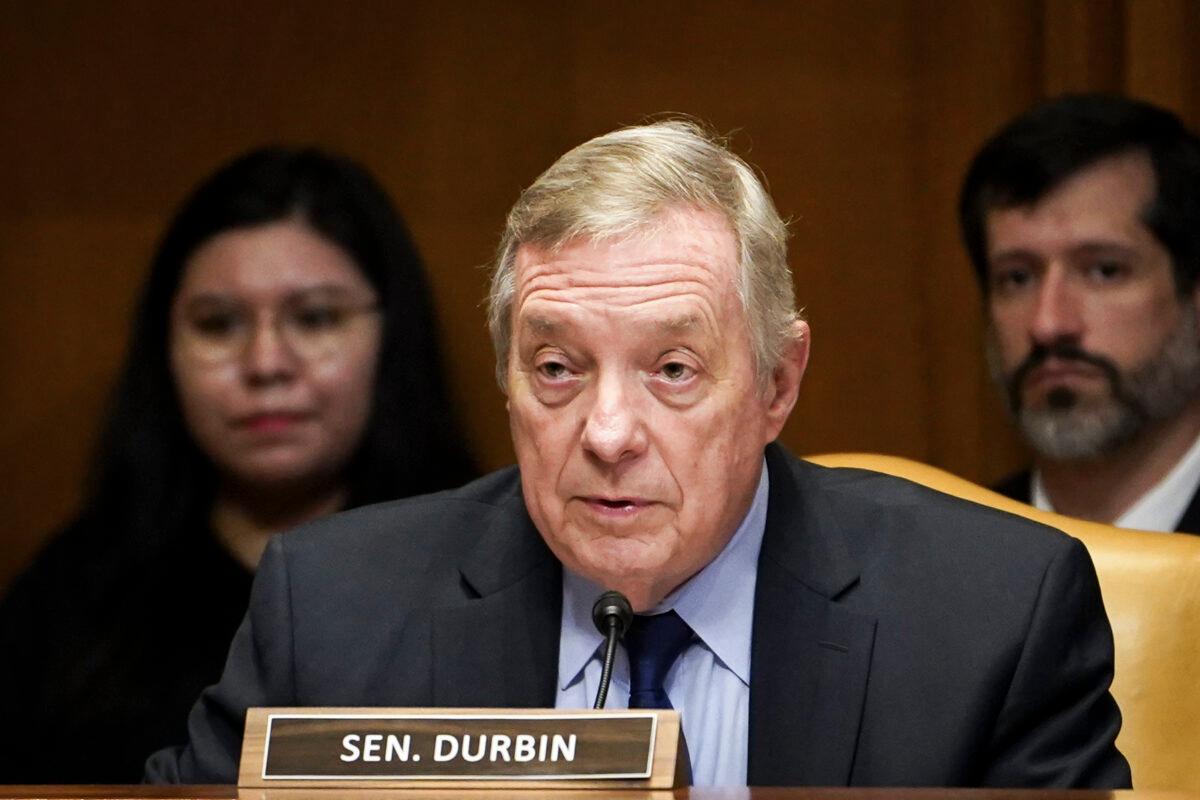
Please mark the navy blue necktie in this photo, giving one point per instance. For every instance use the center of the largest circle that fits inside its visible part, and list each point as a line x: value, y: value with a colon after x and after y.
x: 653, y: 644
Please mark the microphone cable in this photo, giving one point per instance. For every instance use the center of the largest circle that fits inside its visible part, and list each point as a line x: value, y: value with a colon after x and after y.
x: 611, y: 614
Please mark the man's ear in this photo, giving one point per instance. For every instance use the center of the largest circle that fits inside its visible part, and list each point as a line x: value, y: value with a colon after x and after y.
x: 784, y: 386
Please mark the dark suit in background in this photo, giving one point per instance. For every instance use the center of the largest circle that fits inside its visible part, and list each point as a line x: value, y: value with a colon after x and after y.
x: 901, y: 637
x: 1019, y: 488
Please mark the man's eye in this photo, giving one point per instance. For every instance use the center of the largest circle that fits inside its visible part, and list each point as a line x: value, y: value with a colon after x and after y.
x: 554, y: 370
x: 1011, y: 278
x: 675, y: 371
x: 1107, y: 271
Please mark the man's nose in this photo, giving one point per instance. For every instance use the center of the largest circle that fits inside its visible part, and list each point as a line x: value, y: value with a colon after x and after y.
x: 268, y: 356
x: 614, y: 430
x: 1057, y: 315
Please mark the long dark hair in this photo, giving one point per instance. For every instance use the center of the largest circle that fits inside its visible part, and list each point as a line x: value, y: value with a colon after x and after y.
x: 150, y: 482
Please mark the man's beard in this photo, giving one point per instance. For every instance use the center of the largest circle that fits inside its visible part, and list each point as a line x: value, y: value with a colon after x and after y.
x: 1070, y: 427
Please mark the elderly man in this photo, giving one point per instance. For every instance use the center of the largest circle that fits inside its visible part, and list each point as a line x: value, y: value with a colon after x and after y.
x: 828, y: 626
x: 1083, y: 220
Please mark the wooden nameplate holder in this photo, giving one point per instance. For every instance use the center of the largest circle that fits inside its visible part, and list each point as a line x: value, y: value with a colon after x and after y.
x: 460, y: 748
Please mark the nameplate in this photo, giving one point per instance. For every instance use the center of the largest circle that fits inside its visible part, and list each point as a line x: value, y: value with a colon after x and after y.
x: 480, y: 748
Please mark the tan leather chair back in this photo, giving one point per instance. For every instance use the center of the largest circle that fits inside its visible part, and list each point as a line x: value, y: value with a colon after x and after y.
x: 1151, y: 587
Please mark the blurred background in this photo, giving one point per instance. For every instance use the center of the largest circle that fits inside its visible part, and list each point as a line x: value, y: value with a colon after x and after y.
x: 862, y: 114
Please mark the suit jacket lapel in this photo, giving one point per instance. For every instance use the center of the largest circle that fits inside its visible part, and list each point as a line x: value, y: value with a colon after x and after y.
x: 810, y: 656
x: 501, y: 648
x: 1190, y: 522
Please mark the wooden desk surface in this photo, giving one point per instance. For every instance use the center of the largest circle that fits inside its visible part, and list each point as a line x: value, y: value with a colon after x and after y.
x: 757, y: 793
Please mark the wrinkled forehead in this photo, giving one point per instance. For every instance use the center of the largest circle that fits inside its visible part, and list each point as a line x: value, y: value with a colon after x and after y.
x: 681, y: 243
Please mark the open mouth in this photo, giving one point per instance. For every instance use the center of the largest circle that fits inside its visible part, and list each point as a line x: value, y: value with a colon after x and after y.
x: 616, y: 507
x: 618, y: 504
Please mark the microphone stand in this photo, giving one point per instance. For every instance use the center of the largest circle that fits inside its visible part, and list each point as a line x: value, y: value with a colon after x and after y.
x: 611, y: 615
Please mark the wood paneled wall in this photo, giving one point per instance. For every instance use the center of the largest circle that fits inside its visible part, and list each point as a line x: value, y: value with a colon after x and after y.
x: 861, y: 114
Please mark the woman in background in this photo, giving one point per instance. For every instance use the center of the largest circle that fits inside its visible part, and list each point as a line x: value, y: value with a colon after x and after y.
x: 283, y: 365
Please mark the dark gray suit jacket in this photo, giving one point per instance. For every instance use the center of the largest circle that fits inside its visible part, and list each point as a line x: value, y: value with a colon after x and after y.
x: 901, y: 637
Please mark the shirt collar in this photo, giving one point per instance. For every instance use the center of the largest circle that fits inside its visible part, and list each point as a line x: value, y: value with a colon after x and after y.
x: 717, y: 602
x: 1159, y: 509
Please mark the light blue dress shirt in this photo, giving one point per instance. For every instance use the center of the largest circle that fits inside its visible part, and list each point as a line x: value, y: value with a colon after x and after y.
x: 710, y: 682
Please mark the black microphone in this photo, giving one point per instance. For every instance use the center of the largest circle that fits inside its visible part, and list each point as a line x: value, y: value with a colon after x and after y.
x: 612, y: 615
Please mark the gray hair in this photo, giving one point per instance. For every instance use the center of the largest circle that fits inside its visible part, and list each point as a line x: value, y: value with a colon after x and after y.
x: 618, y: 185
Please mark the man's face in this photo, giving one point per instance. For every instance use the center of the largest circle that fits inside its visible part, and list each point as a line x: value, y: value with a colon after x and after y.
x: 1087, y: 332
x: 638, y: 423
